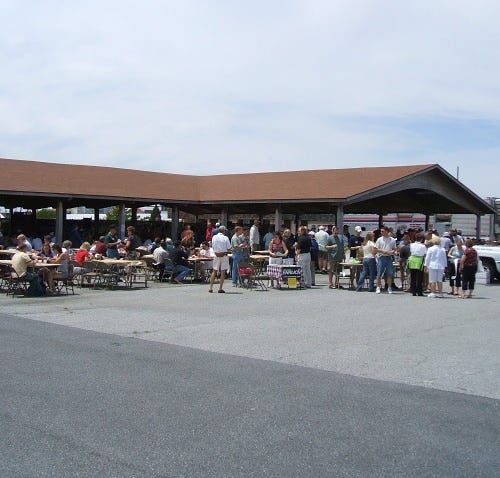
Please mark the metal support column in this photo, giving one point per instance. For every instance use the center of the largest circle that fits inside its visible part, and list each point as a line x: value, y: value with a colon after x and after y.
x: 277, y: 219
x: 95, y: 226
x: 59, y: 222
x: 478, y: 226
x: 175, y: 223
x: 122, y: 220
x: 223, y: 217
x: 340, y: 217
x: 134, y: 216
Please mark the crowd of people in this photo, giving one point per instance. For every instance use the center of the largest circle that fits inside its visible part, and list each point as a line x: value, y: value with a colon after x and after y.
x: 424, y: 259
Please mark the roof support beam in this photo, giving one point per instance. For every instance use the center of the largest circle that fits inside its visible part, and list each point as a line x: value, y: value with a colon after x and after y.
x: 59, y: 221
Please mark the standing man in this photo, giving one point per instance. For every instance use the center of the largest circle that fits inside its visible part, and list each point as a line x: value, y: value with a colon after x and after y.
x: 335, y: 248
x: 112, y: 241
x: 238, y: 245
x: 385, y: 247
x: 268, y: 237
x: 255, y: 236
x: 221, y: 247
x: 215, y: 230
x: 246, y: 237
x: 303, y: 248
x: 208, y: 232
x: 322, y: 240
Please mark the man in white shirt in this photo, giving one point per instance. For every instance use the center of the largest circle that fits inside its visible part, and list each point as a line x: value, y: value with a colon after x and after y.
x: 385, y: 247
x: 322, y: 240
x: 255, y: 236
x: 160, y: 254
x: 221, y: 246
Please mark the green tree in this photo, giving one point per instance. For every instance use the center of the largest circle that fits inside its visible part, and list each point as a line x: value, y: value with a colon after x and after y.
x: 155, y: 213
x: 114, y: 214
x: 47, y: 213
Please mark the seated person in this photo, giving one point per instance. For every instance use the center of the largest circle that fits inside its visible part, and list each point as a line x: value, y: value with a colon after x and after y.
x: 154, y: 245
x: 160, y: 254
x: 99, y: 247
x: 62, y: 272
x: 82, y: 255
x: 36, y: 243
x: 22, y: 239
x: 179, y: 258
x: 22, y: 260
x: 46, y: 251
x: 67, y: 246
x: 206, y: 251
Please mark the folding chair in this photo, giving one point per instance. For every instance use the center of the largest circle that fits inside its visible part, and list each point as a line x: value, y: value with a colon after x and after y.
x: 67, y: 284
x: 16, y: 285
x: 136, y: 274
x: 168, y: 273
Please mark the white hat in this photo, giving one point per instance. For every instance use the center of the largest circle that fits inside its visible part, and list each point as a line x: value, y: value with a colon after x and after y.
x: 311, y: 233
x: 358, y: 229
x: 321, y: 228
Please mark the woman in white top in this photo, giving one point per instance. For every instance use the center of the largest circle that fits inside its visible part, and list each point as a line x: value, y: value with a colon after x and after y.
x: 435, y: 263
x: 369, y: 264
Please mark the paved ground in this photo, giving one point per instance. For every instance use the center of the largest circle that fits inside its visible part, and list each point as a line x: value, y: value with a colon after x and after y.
x: 248, y: 384
x: 448, y: 344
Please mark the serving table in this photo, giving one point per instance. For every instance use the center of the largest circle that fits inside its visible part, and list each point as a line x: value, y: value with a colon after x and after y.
x: 286, y: 274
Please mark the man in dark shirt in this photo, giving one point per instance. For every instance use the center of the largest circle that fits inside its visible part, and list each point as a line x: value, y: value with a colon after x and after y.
x: 112, y: 241
x: 181, y: 265
x: 304, y: 255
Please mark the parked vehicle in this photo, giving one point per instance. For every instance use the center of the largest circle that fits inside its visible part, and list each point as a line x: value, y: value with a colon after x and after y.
x: 490, y: 258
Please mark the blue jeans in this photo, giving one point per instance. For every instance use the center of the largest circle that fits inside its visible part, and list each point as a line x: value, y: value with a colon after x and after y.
x: 370, y: 270
x: 183, y: 271
x: 235, y: 272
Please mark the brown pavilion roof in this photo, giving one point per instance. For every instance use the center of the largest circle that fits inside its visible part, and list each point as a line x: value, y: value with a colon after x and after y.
x: 419, y: 188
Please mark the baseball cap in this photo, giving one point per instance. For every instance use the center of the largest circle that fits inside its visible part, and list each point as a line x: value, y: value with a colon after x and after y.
x: 358, y: 229
x: 311, y: 233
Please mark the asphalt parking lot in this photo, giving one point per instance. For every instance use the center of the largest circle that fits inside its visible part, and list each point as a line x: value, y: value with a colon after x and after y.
x: 173, y: 381
x: 448, y: 344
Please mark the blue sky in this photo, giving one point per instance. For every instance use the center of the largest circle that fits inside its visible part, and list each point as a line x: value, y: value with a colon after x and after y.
x: 210, y: 87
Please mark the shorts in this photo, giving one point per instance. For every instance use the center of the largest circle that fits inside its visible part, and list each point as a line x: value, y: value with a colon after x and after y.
x: 385, y: 266
x: 334, y: 266
x: 436, y: 275
x: 221, y: 263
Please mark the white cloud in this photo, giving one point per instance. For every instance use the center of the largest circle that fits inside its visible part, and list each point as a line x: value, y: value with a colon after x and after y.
x: 211, y: 87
